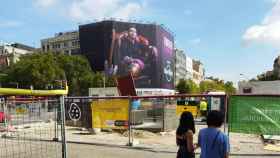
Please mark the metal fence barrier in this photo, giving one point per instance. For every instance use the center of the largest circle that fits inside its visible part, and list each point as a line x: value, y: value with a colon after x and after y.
x: 31, y: 127
x: 160, y: 114
x: 127, y: 114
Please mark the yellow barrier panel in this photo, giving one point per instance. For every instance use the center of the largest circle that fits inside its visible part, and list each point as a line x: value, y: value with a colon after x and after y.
x: 15, y: 91
x: 21, y: 110
x: 110, y: 113
x: 181, y: 108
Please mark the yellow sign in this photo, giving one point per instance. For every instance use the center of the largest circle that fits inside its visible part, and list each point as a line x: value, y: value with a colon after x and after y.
x: 110, y: 113
x: 182, y: 108
x: 21, y: 109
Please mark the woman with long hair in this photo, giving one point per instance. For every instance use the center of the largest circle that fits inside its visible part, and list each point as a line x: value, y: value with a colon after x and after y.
x: 184, y: 136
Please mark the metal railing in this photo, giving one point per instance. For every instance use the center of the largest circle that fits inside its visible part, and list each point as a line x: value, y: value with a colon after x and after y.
x: 32, y: 127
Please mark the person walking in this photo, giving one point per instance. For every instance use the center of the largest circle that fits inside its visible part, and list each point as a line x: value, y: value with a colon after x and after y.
x: 213, y: 142
x: 184, y: 136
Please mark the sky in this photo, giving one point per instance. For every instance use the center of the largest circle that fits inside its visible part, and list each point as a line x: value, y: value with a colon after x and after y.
x: 229, y: 37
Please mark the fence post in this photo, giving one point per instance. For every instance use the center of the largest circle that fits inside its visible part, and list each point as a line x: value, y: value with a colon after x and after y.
x: 226, y: 112
x: 63, y: 137
x: 163, y: 113
x: 228, y: 115
x: 55, y: 125
x: 130, y: 143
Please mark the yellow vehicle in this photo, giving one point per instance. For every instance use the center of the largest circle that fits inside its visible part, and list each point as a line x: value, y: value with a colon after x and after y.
x: 187, y: 105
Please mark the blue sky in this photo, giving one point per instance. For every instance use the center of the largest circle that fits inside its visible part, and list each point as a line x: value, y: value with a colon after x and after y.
x: 229, y: 37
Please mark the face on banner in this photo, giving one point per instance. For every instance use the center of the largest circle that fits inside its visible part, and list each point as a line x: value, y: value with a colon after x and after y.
x: 133, y: 51
x: 122, y: 48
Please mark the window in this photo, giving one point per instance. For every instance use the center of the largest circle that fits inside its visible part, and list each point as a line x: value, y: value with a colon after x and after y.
x: 247, y: 90
x: 75, y: 43
x: 65, y: 44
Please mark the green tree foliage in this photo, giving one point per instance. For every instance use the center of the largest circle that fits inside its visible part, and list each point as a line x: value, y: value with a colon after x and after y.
x: 35, y: 69
x: 215, y: 84
x: 210, y: 85
x: 229, y: 88
x: 271, y: 75
x: 78, y: 73
x: 42, y: 70
x: 110, y: 82
x: 267, y: 77
x: 187, y: 87
x: 182, y: 87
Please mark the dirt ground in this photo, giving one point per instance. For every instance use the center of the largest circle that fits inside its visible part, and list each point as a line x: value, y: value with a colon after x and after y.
x: 241, y: 144
x: 93, y: 151
x: 84, y: 144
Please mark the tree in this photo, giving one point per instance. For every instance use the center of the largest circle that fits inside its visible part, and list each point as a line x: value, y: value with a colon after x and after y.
x: 211, y: 85
x: 110, y: 82
x: 186, y: 86
x: 229, y: 88
x: 271, y: 75
x: 206, y: 86
x: 194, y: 86
x: 182, y: 87
x: 78, y: 73
x: 42, y: 70
x: 37, y: 70
x: 215, y: 84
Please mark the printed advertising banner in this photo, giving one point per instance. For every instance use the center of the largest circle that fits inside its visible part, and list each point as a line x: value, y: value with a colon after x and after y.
x: 112, y: 114
x: 120, y: 48
x: 254, y: 115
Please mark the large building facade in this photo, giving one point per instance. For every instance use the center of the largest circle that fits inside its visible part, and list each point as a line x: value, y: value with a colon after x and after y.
x: 63, y: 42
x: 259, y: 87
x: 189, y: 67
x: 180, y: 66
x: 198, y: 71
x: 143, y: 50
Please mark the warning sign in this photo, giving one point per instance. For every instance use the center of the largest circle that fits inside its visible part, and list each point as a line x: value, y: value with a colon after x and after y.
x: 74, y: 112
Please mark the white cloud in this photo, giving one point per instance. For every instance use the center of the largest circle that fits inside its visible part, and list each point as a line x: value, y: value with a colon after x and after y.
x: 81, y: 10
x: 44, y: 3
x: 195, y: 41
x: 269, y: 29
x: 271, y: 1
x: 128, y: 10
x: 10, y: 24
